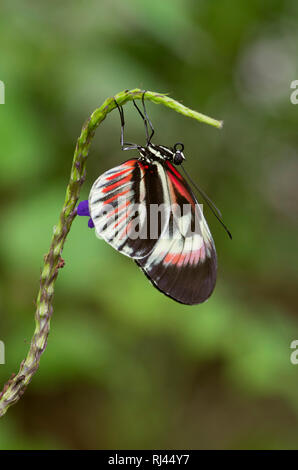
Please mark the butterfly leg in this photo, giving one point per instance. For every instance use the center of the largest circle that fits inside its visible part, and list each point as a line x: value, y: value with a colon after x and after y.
x: 144, y: 119
x: 124, y: 145
x: 147, y: 117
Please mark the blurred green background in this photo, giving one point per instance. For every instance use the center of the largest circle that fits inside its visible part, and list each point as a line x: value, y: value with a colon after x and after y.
x: 125, y: 366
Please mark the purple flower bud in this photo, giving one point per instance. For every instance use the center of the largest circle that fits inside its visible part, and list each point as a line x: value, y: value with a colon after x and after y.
x: 83, y: 208
x: 90, y: 223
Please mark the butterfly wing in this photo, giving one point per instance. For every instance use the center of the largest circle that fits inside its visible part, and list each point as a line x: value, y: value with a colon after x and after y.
x: 119, y: 205
x: 183, y: 262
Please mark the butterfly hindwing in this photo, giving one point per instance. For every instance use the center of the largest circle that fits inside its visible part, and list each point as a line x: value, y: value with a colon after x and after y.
x: 183, y: 262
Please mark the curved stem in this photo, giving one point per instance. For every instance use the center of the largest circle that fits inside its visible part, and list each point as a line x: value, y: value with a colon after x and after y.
x: 17, y: 384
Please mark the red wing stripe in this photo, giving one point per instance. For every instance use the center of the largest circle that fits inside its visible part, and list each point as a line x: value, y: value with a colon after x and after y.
x: 115, y: 175
x: 173, y: 169
x: 107, y: 201
x: 119, y: 209
x: 115, y: 185
x: 181, y: 189
x: 119, y: 221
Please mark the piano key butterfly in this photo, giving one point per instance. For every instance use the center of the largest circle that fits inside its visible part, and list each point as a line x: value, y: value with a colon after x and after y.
x: 146, y: 209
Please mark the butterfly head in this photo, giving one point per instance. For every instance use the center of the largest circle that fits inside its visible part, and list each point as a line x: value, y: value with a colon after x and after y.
x: 161, y: 152
x: 178, y: 156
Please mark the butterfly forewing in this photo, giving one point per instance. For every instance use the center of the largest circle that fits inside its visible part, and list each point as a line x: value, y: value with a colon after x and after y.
x: 120, y: 205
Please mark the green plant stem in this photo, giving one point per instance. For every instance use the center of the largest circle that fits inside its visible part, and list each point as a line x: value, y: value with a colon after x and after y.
x: 17, y: 384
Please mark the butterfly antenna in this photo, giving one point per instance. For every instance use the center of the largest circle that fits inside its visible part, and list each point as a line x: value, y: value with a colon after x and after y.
x: 216, y: 212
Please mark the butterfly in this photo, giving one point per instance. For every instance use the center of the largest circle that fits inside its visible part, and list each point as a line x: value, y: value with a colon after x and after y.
x: 145, y: 209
